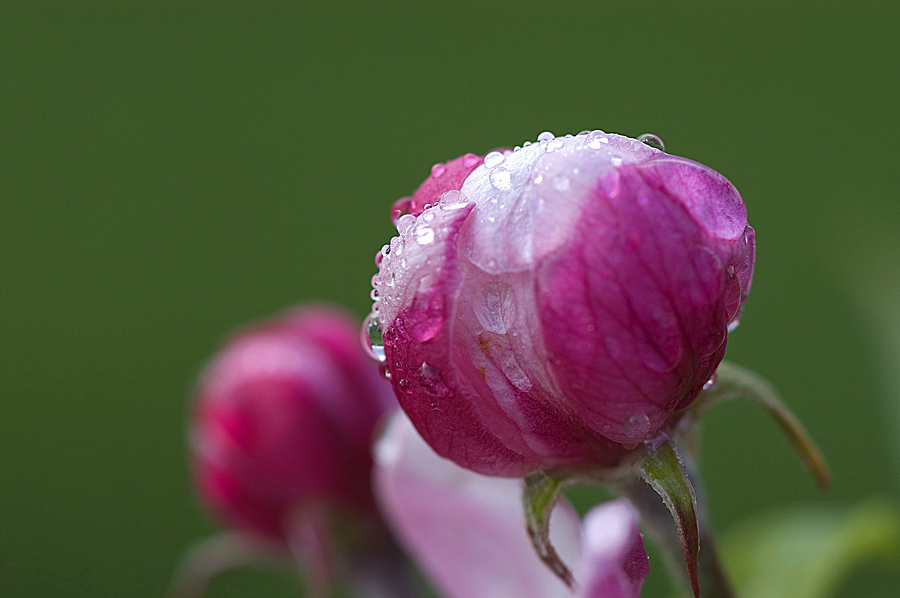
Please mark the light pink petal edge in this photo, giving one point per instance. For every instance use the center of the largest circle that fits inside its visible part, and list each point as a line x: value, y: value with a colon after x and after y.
x: 465, y: 530
x: 613, y: 562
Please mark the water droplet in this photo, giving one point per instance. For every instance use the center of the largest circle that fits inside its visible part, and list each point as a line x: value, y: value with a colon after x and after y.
x: 652, y: 140
x: 453, y: 200
x: 609, y: 183
x: 432, y: 382
x: 424, y: 235
x: 493, y: 159
x: 546, y: 136
x: 514, y: 373
x: 554, y: 145
x: 710, y: 383
x: 385, y: 250
x: 732, y: 325
x: 596, y: 139
x: 616, y: 160
x: 438, y: 170
x: 404, y: 223
x: 499, y: 178
x: 470, y: 160
x: 428, y: 371
x: 561, y: 183
x: 373, y: 294
x: 428, y: 216
x: 636, y: 425
x: 378, y: 257
x: 494, y: 307
x: 401, y: 207
x: 538, y: 179
x: 373, y: 340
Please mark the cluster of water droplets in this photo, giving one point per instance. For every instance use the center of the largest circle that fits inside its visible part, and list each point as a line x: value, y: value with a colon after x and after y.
x: 422, y: 229
x: 547, y: 142
x: 419, y: 230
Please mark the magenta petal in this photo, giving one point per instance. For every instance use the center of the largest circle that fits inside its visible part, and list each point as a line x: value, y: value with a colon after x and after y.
x: 283, y: 420
x: 613, y: 562
x: 567, y: 303
x: 634, y: 308
x: 465, y: 530
x: 444, y: 177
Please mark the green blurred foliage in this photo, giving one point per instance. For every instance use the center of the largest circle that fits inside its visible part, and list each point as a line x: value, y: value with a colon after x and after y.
x: 169, y: 171
x: 807, y: 553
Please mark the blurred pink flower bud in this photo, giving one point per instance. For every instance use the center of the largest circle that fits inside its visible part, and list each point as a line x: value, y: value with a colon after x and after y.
x: 465, y: 530
x: 562, y: 303
x: 283, y: 423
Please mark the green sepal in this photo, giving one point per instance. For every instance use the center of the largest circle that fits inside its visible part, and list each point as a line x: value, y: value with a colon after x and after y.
x: 734, y: 382
x: 541, y: 493
x: 662, y: 469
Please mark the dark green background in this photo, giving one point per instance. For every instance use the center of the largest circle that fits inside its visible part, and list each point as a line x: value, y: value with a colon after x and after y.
x: 170, y: 171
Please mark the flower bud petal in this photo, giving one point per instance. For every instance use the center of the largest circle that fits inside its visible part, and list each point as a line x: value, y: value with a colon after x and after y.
x: 283, y: 421
x: 571, y: 309
x: 444, y: 177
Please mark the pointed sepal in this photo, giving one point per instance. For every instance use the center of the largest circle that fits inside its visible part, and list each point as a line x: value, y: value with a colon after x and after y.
x: 541, y: 493
x: 662, y: 469
x: 734, y: 382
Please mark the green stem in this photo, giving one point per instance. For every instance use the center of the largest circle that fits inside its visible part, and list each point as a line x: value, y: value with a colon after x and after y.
x: 223, y: 552
x: 733, y: 382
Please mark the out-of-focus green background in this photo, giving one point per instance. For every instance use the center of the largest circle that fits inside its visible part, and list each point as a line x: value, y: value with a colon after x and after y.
x: 169, y: 171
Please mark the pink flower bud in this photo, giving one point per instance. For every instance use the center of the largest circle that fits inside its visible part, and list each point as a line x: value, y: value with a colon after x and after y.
x: 283, y: 423
x: 563, y: 303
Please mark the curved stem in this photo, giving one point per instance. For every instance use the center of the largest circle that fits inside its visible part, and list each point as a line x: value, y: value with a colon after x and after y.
x: 209, y: 558
x: 733, y: 382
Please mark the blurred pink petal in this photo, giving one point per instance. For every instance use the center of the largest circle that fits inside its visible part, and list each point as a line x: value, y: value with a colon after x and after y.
x: 613, y: 562
x: 465, y: 530
x: 283, y: 422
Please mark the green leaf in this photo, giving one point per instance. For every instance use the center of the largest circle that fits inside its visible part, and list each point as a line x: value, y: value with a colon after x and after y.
x: 807, y: 554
